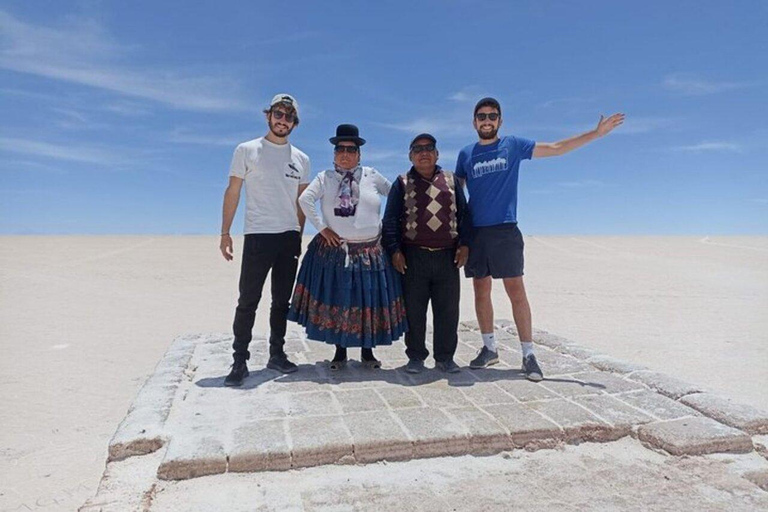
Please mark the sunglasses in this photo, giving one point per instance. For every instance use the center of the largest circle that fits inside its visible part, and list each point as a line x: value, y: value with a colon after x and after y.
x: 347, y: 149
x: 422, y: 147
x: 482, y: 116
x: 289, y: 118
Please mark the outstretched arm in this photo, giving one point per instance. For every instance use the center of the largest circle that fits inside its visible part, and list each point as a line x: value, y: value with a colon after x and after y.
x: 604, y: 127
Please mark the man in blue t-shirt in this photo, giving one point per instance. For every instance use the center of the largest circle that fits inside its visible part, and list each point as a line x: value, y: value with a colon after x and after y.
x: 490, y: 169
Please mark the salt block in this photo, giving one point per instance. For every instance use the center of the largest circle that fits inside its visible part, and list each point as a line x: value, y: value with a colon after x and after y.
x: 141, y: 431
x: 319, y: 440
x: 666, y: 385
x: 525, y: 390
x: 608, y: 382
x: 442, y: 395
x: 486, y: 435
x: 549, y: 340
x: 656, y: 405
x: 569, y: 386
x: 577, y: 423
x: 316, y: 403
x: 695, y: 436
x: 191, y: 456
x: 611, y: 364
x: 577, y: 351
x: 360, y: 400
x: 400, y: 397
x: 741, y: 416
x: 260, y: 446
x: 377, y: 436
x: 613, y: 410
x: 434, y: 434
x: 487, y: 393
x: 554, y: 363
x: 759, y: 478
x: 526, y: 427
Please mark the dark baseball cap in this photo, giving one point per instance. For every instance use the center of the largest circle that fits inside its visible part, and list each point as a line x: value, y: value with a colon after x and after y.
x: 427, y: 136
x: 488, y: 102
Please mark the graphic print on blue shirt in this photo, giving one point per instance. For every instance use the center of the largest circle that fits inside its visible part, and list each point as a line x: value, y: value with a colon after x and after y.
x: 491, y: 173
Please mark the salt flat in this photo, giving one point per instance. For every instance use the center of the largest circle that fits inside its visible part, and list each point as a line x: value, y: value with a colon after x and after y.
x: 84, y: 320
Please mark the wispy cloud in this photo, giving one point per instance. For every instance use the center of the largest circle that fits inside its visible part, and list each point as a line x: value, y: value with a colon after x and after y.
x: 690, y: 85
x: 645, y: 124
x: 468, y: 94
x: 708, y: 146
x: 633, y: 125
x: 383, y: 155
x: 128, y: 108
x: 582, y: 184
x: 28, y: 94
x: 82, y: 52
x: 567, y: 102
x: 181, y: 136
x: 27, y: 165
x: 436, y: 126
x: 70, y: 153
x: 460, y: 96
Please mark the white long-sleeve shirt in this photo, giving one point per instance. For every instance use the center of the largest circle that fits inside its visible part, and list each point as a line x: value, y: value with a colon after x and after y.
x: 365, y: 224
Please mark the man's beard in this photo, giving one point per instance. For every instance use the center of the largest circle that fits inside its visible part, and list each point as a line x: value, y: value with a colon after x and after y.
x: 488, y: 135
x: 277, y: 133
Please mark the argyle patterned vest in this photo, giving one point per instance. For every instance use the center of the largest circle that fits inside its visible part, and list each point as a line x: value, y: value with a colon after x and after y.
x: 430, y: 210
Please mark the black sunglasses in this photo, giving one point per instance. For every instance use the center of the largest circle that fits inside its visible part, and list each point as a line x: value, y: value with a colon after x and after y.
x: 277, y: 114
x: 418, y: 148
x: 482, y: 116
x: 348, y: 149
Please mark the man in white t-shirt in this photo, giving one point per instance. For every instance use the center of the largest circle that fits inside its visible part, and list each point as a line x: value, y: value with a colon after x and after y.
x: 275, y: 173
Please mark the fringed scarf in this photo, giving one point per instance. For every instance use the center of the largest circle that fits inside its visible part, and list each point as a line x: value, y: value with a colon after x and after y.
x: 348, y: 194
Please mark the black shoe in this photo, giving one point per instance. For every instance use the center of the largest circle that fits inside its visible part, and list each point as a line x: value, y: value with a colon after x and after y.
x: 281, y: 364
x: 448, y: 366
x: 531, y: 369
x: 368, y: 359
x: 484, y: 359
x: 414, y: 366
x: 337, y: 364
x: 238, y: 373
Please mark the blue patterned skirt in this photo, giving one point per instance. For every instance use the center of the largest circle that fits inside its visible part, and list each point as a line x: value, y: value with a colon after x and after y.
x: 351, y: 298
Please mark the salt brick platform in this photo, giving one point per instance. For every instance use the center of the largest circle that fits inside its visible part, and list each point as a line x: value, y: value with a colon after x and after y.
x: 315, y: 417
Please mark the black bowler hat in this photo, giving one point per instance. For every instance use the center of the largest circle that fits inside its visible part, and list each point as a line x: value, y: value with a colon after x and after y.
x: 347, y: 132
x: 426, y: 136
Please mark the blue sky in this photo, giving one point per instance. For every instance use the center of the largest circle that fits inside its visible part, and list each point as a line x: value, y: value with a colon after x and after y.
x: 121, y: 117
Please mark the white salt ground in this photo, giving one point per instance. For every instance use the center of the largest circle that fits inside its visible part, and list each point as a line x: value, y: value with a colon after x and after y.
x: 83, y: 321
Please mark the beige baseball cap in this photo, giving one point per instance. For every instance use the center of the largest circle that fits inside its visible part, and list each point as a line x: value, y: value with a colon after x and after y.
x: 286, y: 99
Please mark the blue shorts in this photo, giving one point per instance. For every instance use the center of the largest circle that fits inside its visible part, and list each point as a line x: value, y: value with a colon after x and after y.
x: 495, y: 251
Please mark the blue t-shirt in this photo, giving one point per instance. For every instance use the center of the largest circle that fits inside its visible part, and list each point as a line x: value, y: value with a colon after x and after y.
x: 491, y: 173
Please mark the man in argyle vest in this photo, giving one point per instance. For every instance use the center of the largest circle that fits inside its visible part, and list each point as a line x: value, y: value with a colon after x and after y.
x: 426, y: 230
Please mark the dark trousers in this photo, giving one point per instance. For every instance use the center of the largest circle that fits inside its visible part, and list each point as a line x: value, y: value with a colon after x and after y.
x: 278, y: 252
x: 431, y: 275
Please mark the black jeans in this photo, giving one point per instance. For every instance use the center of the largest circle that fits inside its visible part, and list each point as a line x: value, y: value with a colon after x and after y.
x: 278, y: 252
x: 431, y: 275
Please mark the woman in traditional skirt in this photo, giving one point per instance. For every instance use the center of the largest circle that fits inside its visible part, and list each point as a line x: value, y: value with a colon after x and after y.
x: 347, y: 292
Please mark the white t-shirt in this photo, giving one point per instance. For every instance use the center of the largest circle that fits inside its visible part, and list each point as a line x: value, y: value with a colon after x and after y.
x: 272, y: 174
x: 365, y: 224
